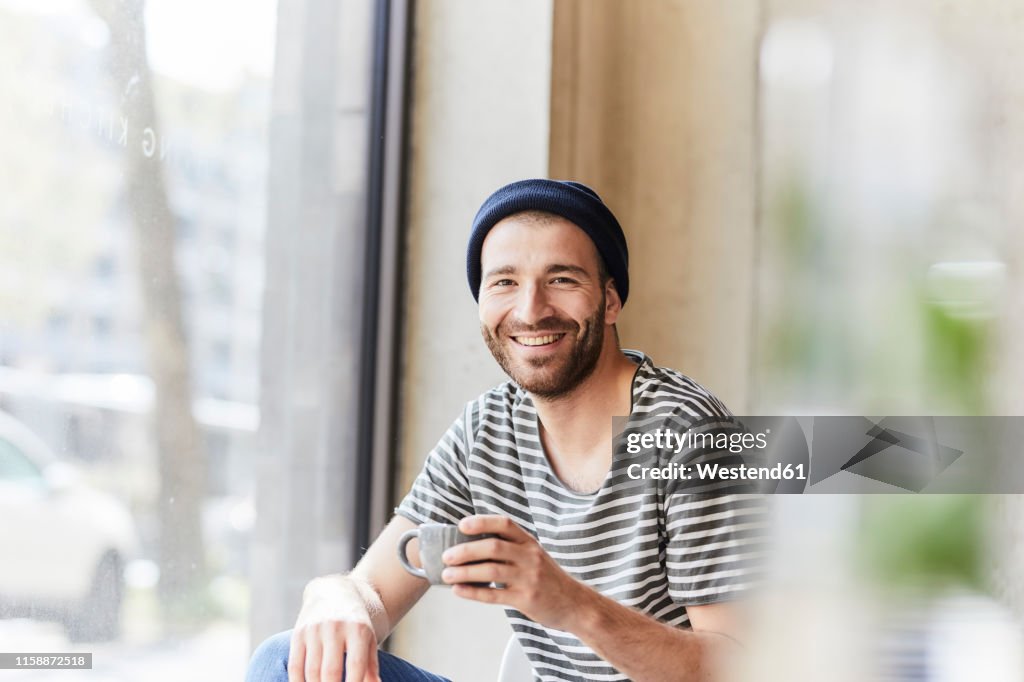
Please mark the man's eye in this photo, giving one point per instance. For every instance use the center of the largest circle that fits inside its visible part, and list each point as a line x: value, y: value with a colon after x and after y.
x: 563, y: 280
x: 502, y: 283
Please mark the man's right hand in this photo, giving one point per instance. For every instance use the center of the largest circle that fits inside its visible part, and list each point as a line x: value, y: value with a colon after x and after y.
x: 335, y: 628
x: 344, y: 617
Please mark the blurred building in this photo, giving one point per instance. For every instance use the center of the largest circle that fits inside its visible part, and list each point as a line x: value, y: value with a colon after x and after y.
x: 85, y: 323
x: 215, y: 156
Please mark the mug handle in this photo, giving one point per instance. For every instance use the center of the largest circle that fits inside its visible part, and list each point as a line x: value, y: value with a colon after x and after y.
x: 402, y: 542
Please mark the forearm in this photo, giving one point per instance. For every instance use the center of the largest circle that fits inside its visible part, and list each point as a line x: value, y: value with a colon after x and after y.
x: 646, y: 650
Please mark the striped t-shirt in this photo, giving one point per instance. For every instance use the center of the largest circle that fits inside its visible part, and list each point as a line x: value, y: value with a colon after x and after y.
x: 657, y: 550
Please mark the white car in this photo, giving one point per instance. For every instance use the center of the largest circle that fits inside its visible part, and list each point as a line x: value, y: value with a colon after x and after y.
x: 63, y: 545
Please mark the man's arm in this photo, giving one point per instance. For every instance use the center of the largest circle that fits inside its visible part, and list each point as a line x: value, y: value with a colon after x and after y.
x: 397, y: 588
x: 637, y: 645
x: 344, y: 617
x: 645, y: 649
x: 350, y: 614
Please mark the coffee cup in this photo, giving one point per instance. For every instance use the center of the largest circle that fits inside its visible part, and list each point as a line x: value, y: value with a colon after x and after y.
x: 434, y: 538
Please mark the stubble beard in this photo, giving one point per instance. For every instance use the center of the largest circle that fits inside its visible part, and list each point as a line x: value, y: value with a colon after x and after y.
x: 563, y: 374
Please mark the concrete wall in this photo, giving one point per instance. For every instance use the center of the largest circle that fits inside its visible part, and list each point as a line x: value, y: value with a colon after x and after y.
x: 654, y: 105
x: 479, y: 119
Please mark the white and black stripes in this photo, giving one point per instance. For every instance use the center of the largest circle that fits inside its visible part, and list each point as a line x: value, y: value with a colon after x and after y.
x: 654, y: 550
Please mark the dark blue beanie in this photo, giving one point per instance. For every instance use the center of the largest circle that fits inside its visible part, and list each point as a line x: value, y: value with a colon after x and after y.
x: 575, y: 202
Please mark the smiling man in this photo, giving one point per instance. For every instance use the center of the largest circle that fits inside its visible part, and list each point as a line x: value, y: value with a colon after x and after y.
x: 602, y: 578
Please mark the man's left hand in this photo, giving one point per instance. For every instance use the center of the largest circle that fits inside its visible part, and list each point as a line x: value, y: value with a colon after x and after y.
x: 534, y: 584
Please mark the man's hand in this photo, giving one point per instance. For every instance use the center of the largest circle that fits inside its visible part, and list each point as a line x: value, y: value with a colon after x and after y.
x: 534, y: 584
x: 335, y: 628
x: 634, y: 643
x: 350, y: 614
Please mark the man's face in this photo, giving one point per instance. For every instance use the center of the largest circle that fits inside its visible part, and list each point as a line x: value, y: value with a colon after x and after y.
x: 543, y: 310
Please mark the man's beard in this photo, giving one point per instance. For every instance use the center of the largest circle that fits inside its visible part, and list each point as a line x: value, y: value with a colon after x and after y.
x: 563, y: 375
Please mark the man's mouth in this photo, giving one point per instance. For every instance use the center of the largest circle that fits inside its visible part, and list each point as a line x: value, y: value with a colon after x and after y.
x: 545, y: 340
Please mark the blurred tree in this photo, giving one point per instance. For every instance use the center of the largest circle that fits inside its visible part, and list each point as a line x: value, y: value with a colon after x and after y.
x: 182, y: 587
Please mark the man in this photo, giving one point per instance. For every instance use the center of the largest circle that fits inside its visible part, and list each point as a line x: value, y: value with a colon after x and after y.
x: 604, y: 579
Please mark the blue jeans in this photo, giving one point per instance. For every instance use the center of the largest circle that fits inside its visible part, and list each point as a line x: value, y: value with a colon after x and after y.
x: 270, y: 664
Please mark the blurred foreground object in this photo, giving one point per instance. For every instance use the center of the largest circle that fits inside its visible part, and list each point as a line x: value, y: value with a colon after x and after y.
x: 928, y: 566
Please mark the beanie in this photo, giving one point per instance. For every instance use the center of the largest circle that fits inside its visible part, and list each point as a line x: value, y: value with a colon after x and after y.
x: 575, y: 202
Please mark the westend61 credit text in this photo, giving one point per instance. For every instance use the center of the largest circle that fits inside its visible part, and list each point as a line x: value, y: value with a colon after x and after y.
x: 718, y: 472
x: 672, y: 442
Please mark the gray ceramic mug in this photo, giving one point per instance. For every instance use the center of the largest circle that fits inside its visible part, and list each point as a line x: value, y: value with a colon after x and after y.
x: 435, y: 538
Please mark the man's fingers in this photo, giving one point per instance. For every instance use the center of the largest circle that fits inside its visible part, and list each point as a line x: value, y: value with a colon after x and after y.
x: 487, y: 572
x: 488, y: 549
x: 360, y: 648
x: 322, y: 652
x: 296, y: 657
x: 373, y: 668
x: 487, y: 595
x: 333, y: 657
x: 493, y: 523
x: 314, y: 654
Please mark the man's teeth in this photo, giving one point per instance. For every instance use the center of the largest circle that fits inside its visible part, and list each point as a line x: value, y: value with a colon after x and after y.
x: 538, y: 340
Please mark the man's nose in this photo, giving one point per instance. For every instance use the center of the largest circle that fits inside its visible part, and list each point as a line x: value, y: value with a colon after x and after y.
x: 532, y: 304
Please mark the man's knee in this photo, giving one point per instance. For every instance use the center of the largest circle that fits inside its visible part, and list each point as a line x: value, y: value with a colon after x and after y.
x: 270, y: 660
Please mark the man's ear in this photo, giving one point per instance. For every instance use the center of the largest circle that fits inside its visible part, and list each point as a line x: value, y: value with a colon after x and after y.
x: 612, y: 302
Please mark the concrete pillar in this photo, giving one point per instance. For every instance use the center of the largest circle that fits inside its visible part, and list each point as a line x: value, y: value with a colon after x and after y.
x: 654, y: 105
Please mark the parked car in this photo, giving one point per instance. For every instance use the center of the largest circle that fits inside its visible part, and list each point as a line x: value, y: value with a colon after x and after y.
x: 63, y: 544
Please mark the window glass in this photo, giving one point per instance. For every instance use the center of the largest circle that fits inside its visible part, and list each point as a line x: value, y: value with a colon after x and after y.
x: 134, y: 143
